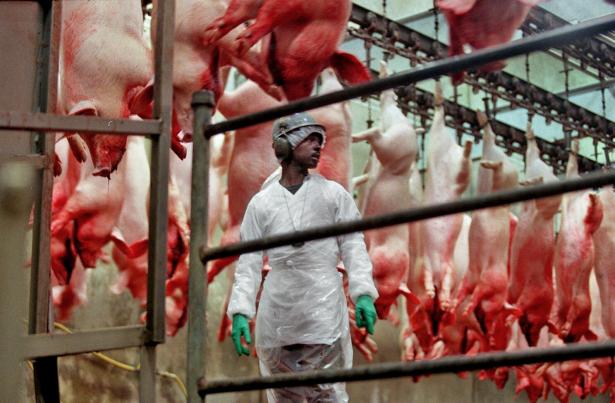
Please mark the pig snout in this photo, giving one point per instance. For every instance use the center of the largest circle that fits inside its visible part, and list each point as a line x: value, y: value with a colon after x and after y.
x: 107, y: 152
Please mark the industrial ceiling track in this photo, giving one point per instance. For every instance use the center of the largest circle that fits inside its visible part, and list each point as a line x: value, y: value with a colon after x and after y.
x: 590, y: 52
x: 420, y: 48
x: 418, y: 102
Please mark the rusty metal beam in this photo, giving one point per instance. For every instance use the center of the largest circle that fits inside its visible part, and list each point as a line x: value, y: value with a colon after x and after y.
x: 78, y: 342
x: 81, y: 124
x: 158, y: 200
x: 202, y: 105
x: 46, y: 382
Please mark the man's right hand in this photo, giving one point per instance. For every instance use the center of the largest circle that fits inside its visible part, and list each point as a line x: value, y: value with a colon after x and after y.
x: 241, y: 328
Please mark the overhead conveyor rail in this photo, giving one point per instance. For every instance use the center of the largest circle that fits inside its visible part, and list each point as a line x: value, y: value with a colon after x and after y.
x: 511, y: 138
x: 42, y: 346
x: 517, y: 91
x: 541, y: 41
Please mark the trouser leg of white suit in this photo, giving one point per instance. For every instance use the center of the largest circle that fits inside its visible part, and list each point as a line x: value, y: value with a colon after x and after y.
x: 299, y: 358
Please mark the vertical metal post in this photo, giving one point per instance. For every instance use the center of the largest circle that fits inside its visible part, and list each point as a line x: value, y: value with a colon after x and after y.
x: 15, y: 202
x: 158, y: 207
x: 202, y: 105
x: 46, y: 384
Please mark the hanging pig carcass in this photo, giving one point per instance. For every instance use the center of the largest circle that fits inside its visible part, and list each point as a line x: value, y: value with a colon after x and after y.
x: 574, y: 258
x: 448, y: 176
x: 531, y: 264
x: 482, y: 23
x: 300, y: 40
x: 486, y: 281
x: 104, y: 64
x: 395, y: 147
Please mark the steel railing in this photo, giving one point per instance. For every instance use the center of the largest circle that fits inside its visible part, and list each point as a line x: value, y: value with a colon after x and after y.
x: 42, y: 346
x: 448, y: 364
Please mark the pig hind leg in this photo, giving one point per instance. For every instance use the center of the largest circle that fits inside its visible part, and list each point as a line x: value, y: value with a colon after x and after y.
x: 238, y: 11
x: 270, y: 15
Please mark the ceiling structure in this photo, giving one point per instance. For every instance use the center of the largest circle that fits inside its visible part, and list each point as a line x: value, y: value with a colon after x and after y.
x: 562, y: 106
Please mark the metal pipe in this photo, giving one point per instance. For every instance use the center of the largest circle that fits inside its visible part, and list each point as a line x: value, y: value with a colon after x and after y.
x: 14, y: 120
x: 159, y: 180
x: 202, y: 105
x: 456, y: 363
x: 83, y: 341
x: 541, y: 41
x: 592, y: 180
x: 158, y: 200
x: 46, y: 382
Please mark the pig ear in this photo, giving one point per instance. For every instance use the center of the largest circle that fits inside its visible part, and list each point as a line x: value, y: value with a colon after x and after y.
x: 85, y: 108
x: 359, y: 180
x: 77, y: 147
x: 140, y: 99
x: 531, y: 2
x: 366, y: 135
x: 132, y: 250
x: 410, y: 296
x: 349, y: 68
x: 57, y: 171
x: 590, y: 336
x: 457, y: 6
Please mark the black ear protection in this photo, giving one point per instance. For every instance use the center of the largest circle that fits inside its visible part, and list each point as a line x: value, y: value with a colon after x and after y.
x: 282, y: 148
x: 283, y: 126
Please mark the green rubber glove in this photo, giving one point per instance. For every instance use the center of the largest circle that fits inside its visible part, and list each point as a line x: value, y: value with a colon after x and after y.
x: 241, y: 328
x: 365, y: 313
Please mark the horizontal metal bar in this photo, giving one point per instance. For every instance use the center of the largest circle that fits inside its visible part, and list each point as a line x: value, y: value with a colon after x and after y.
x: 456, y: 363
x: 593, y: 180
x: 11, y: 120
x: 85, y: 341
x: 529, y: 44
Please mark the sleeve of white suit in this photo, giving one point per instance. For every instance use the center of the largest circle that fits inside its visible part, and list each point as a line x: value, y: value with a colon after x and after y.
x: 353, y: 251
x: 248, y: 271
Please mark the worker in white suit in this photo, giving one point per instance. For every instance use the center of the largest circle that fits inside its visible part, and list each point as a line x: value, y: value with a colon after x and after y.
x: 302, y: 321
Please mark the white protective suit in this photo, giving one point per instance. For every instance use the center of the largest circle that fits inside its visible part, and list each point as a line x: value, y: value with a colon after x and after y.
x: 302, y: 301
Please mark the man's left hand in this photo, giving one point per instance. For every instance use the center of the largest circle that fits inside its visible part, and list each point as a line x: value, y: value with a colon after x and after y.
x: 365, y: 313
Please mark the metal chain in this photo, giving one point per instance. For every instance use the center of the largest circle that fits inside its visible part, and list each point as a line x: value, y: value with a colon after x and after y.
x: 603, y: 99
x: 387, y: 52
x: 436, y: 22
x: 566, y: 86
x: 530, y: 111
x: 368, y: 61
x: 602, y: 91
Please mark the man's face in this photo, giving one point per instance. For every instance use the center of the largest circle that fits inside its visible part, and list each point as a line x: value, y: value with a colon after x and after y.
x: 307, y: 153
